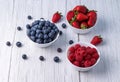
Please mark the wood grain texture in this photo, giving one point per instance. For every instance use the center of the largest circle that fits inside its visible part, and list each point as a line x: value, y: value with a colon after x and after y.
x: 108, y: 27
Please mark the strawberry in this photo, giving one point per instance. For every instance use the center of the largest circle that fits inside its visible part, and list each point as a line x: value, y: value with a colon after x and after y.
x: 83, y: 25
x: 76, y: 63
x: 56, y: 17
x: 81, y: 17
x: 81, y: 8
x: 70, y: 15
x: 75, y: 24
x: 87, y: 63
x: 92, y: 18
x: 96, y: 40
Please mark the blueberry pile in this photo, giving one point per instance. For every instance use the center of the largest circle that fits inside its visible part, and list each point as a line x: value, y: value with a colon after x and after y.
x: 42, y: 31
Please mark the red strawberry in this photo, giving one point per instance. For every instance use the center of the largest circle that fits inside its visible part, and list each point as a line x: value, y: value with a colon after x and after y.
x: 93, y: 61
x: 96, y: 40
x: 83, y: 25
x: 56, y: 17
x: 81, y: 17
x: 75, y: 24
x: 81, y: 8
x: 76, y: 63
x: 92, y: 18
x: 95, y: 55
x: 71, y: 57
x: 87, y: 63
x: 72, y: 49
x: 70, y: 15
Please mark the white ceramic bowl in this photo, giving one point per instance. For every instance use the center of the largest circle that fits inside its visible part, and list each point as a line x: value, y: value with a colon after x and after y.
x: 46, y: 44
x: 80, y: 31
x: 82, y: 68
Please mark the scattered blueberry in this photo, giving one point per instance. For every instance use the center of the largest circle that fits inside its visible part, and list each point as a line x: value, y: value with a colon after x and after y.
x: 24, y: 56
x: 19, y: 28
x: 56, y: 59
x: 29, y: 17
x: 18, y: 44
x: 60, y: 32
x: 41, y: 58
x: 64, y: 25
x: 71, y: 42
x: 8, y: 43
x: 59, y: 50
x: 28, y: 26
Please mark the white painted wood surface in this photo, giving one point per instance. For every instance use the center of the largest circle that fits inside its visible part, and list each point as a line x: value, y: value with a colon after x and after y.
x: 14, y: 69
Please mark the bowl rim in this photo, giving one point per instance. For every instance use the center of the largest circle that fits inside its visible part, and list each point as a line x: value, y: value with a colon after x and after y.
x: 89, y: 44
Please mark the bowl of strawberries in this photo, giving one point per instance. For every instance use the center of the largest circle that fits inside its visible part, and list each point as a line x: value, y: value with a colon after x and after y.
x: 81, y: 20
x: 82, y: 56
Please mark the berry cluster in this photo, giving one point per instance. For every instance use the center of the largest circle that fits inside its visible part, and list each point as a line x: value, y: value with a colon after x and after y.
x: 82, y: 56
x: 42, y: 31
x: 82, y: 18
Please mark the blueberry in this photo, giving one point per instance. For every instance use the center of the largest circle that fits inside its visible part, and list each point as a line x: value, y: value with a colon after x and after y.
x: 38, y: 31
x: 38, y: 40
x: 39, y: 27
x: 59, y: 50
x: 45, y: 31
x: 29, y: 17
x: 18, y: 44
x: 44, y: 28
x: 45, y: 41
x: 54, y: 27
x: 32, y: 33
x: 19, y: 28
x: 56, y: 59
x: 60, y: 32
x: 51, y: 24
x: 24, y: 56
x: 33, y: 29
x: 46, y: 36
x: 33, y: 38
x: 53, y: 32
x: 35, y: 23
x: 41, y: 58
x: 41, y: 36
x: 64, y: 25
x: 56, y: 30
x: 49, y: 40
x: 71, y: 42
x: 47, y: 23
x: 36, y: 35
x: 51, y: 35
x: 8, y: 43
x: 28, y: 26
x: 42, y: 23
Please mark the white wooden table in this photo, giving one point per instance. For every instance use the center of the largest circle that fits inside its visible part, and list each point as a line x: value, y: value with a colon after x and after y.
x: 13, y: 68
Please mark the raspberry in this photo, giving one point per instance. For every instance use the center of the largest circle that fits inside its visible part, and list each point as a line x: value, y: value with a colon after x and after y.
x: 83, y: 53
x: 94, y: 50
x: 72, y: 49
x: 77, y: 46
x: 83, y: 48
x: 89, y: 51
x: 76, y: 63
x: 71, y: 57
x: 79, y: 58
x: 88, y: 57
x: 93, y: 61
x: 95, y: 55
x: 82, y: 63
x: 87, y: 63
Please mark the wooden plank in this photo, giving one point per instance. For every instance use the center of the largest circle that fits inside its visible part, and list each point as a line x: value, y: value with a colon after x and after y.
x: 108, y: 27
x: 33, y: 70
x: 7, y: 32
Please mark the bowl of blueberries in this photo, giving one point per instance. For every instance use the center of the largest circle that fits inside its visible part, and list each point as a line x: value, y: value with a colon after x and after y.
x: 42, y: 32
